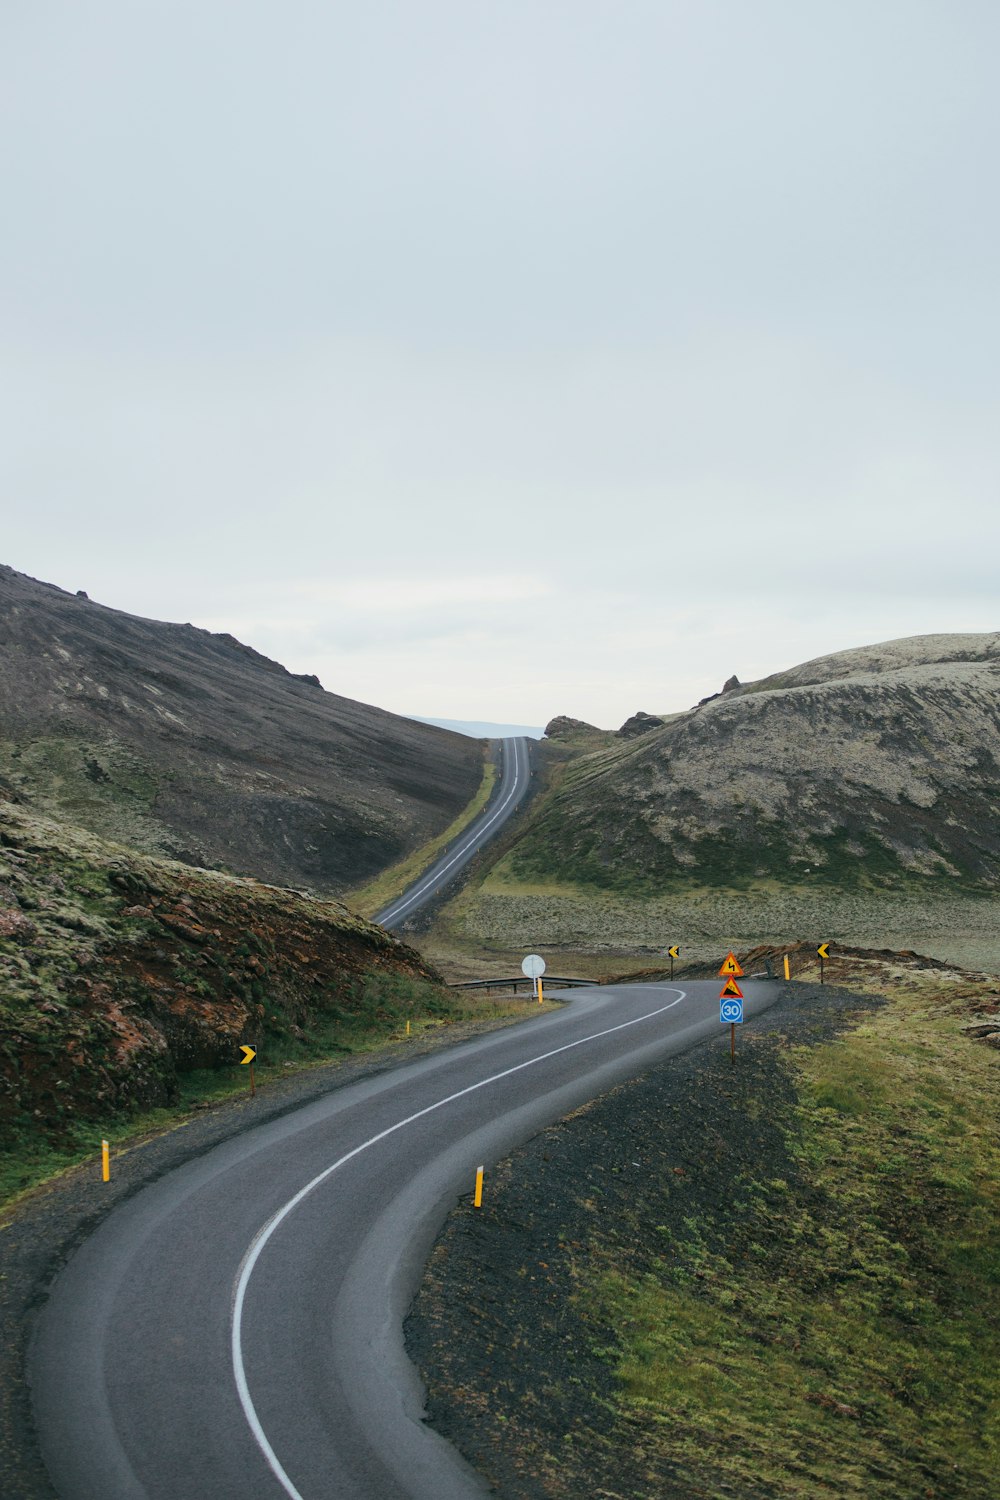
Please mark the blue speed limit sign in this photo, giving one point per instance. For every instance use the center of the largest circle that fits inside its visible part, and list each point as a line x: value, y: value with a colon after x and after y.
x: 731, y: 1010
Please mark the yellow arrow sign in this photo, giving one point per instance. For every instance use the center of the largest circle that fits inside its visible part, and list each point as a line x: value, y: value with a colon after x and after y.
x: 674, y: 952
x: 249, y: 1053
x: 823, y: 951
x: 730, y: 967
x: 732, y: 990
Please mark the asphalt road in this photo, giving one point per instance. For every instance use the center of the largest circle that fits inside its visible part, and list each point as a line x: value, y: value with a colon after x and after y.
x: 234, y: 1331
x: 508, y: 794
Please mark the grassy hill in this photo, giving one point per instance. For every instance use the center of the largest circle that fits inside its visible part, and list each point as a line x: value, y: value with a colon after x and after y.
x: 820, y: 800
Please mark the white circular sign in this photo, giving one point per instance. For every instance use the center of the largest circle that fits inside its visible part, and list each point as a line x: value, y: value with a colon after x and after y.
x: 533, y: 966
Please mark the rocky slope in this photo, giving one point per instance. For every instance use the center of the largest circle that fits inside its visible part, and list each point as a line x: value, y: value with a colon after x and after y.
x: 192, y: 745
x: 120, y: 973
x: 871, y: 768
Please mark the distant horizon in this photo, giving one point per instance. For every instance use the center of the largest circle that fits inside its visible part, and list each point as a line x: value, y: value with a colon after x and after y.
x: 472, y: 724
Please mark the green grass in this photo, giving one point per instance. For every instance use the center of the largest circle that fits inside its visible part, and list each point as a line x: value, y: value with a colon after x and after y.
x: 370, y: 898
x: 848, y: 1343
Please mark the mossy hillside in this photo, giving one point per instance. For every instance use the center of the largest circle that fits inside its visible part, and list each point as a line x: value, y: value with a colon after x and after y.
x: 120, y: 974
x: 837, y: 1334
x: 882, y: 782
x: 614, y: 850
x: 98, y: 784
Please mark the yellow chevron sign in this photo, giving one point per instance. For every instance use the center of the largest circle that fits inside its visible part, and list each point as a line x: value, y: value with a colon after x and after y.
x: 674, y: 952
x: 249, y: 1053
x: 823, y: 951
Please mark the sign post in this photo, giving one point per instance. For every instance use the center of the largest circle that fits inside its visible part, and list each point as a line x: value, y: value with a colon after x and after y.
x: 533, y: 967
x: 823, y: 953
x: 249, y: 1053
x: 731, y: 1011
x: 673, y: 953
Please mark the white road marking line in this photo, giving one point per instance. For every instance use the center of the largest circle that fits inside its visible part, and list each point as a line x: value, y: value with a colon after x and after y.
x: 392, y: 912
x: 265, y: 1232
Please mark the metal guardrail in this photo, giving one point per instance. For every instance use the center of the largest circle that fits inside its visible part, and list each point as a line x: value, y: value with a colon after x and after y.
x: 548, y: 981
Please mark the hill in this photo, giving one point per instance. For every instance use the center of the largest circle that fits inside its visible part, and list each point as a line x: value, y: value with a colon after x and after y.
x: 120, y: 974
x: 192, y: 745
x: 864, y: 775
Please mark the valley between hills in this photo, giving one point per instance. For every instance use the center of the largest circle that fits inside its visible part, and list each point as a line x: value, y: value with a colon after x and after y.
x: 193, y: 843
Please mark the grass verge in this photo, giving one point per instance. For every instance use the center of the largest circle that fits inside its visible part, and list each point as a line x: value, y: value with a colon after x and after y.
x: 369, y: 899
x: 840, y: 1336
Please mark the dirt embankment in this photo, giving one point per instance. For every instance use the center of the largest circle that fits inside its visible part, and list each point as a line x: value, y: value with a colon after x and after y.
x: 121, y: 973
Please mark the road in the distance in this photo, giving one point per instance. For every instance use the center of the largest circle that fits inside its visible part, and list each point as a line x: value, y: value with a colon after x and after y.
x: 509, y: 793
x: 234, y: 1331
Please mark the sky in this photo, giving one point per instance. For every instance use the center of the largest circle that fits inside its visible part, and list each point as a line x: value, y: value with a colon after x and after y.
x: 505, y: 360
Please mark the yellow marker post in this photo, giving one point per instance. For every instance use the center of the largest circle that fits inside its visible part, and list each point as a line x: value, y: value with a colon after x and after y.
x: 538, y: 982
x: 788, y: 972
x: 105, y: 1161
x: 249, y: 1053
x: 477, y: 1201
x: 407, y: 1028
x: 823, y: 953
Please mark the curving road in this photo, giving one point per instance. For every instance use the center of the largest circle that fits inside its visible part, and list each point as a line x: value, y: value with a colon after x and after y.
x: 234, y: 1331
x: 508, y: 794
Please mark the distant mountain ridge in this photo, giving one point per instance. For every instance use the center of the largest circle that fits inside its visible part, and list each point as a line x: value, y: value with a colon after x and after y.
x: 873, y: 766
x: 180, y: 742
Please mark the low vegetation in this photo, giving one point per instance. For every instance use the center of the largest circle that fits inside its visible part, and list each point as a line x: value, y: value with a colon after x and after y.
x: 507, y: 918
x: 842, y: 1338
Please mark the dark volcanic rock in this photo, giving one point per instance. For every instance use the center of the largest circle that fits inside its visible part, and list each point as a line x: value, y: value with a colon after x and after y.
x: 729, y: 686
x: 561, y: 726
x: 640, y: 723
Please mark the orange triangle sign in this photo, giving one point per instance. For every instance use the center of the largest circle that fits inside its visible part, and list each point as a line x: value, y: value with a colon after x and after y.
x: 730, y: 966
x: 732, y: 990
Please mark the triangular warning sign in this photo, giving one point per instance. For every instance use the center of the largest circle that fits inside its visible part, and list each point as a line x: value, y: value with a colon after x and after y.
x: 730, y: 966
x: 732, y: 990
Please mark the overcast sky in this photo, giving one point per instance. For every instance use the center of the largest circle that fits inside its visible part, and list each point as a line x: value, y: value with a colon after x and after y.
x: 504, y: 358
